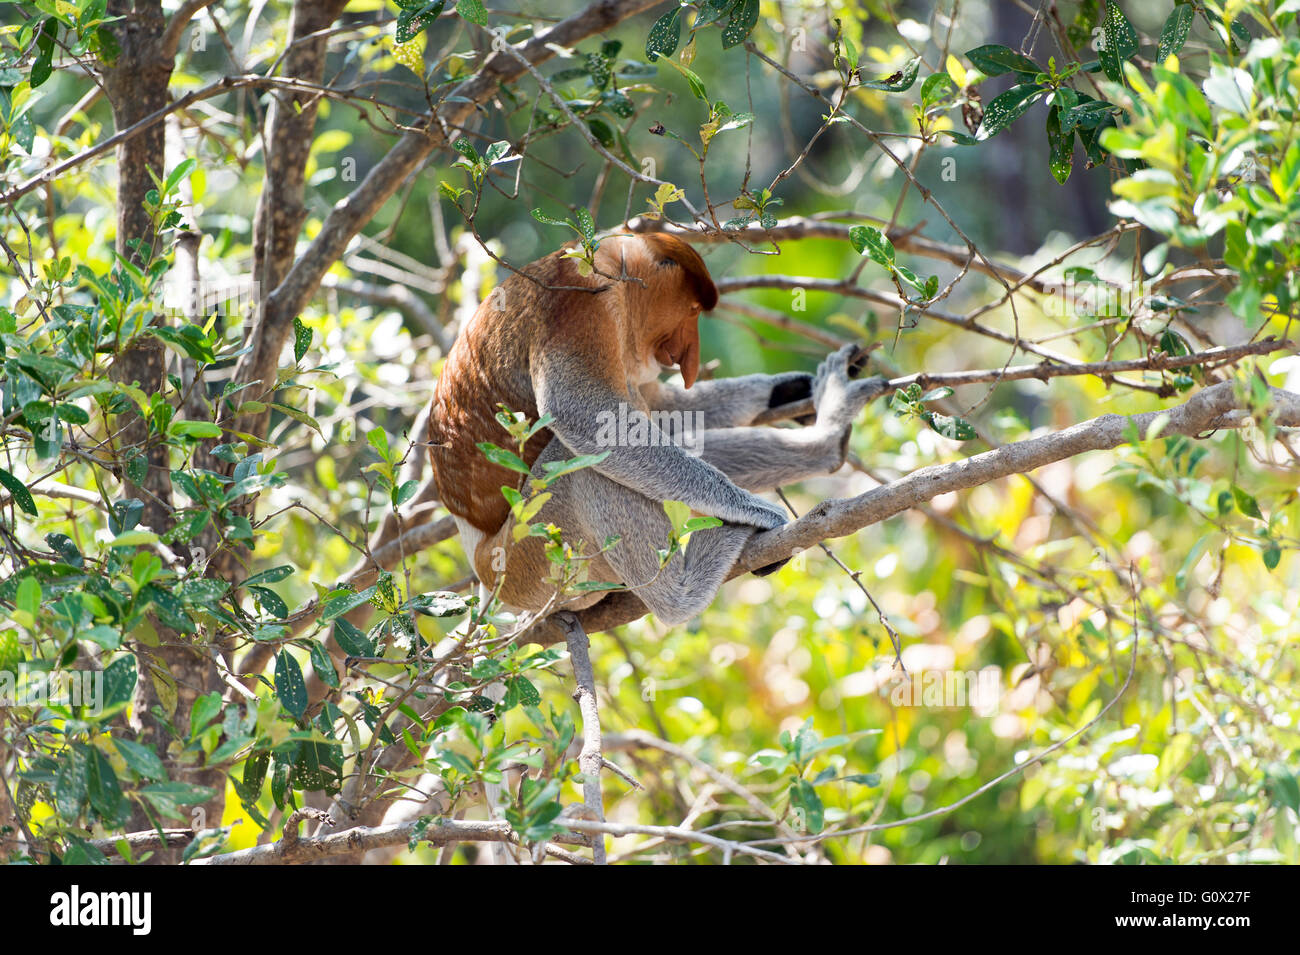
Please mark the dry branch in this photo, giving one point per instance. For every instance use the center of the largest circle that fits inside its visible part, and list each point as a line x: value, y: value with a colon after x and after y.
x: 1054, y: 369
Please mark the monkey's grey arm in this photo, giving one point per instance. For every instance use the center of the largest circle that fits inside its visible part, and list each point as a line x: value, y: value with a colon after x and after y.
x: 730, y: 402
x: 586, y: 417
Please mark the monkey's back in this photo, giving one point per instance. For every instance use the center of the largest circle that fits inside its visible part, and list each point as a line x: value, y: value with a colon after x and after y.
x: 489, y: 365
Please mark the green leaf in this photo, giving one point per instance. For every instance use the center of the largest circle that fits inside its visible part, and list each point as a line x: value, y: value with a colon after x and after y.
x: 141, y: 759
x: 289, y: 684
x: 473, y: 11
x: 936, y: 89
x: 994, y: 60
x: 133, y: 539
x: 341, y: 603
x: 1246, y: 503
x: 873, y: 242
x: 744, y: 18
x: 271, y: 602
x: 1121, y: 42
x: 466, y: 149
x: 664, y: 35
x: 183, y: 169
x: 1175, y: 31
x: 711, y: 11
x: 1007, y: 107
x: 1282, y: 784
x: 323, y: 665
x: 693, y: 81
x: 18, y: 491
x: 541, y: 216
x: 11, y: 651
x: 805, y: 799
x: 351, y: 640
x: 1060, y: 146
x: 520, y: 690
x: 102, y: 787
x: 958, y: 429
x: 897, y: 82
x: 43, y: 66
x: 416, y: 16
x: 28, y: 597
x: 119, y: 681
x: 556, y: 469
x: 300, y: 416
x: 1272, y: 555
x: 440, y: 603
x: 302, y: 336
x: 254, y: 774
x: 195, y: 429
x: 206, y: 709
x: 167, y: 798
x: 72, y: 782
x: 503, y: 458
x: 1087, y: 114
x: 274, y: 575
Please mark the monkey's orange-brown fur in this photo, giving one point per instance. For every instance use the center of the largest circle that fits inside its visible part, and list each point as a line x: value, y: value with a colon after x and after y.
x: 625, y: 332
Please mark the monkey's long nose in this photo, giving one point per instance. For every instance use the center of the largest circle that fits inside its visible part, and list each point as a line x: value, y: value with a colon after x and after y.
x: 682, y: 350
x: 684, y: 355
x: 689, y: 363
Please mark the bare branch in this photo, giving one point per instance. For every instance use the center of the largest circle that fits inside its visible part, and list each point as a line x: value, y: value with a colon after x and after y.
x: 1055, y: 369
x: 171, y: 41
x: 589, y: 760
x: 803, y: 227
x: 399, y: 297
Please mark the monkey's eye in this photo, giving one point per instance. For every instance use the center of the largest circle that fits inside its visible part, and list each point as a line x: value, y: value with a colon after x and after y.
x: 663, y: 262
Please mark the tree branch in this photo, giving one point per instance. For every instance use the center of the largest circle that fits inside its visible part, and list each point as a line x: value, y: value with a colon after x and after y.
x: 1053, y: 369
x: 590, y: 760
x: 171, y: 41
x: 353, y: 212
x: 1214, y: 408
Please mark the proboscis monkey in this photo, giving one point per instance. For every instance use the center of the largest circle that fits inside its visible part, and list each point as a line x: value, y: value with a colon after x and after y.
x: 592, y: 359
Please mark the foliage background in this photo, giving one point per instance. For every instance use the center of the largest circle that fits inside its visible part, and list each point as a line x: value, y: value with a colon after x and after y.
x: 1041, y: 582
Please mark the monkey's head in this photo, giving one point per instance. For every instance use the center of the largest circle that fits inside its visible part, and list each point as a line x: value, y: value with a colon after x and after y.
x: 674, y: 287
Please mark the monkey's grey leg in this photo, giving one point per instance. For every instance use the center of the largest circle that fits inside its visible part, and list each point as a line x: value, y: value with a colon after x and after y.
x: 597, y: 508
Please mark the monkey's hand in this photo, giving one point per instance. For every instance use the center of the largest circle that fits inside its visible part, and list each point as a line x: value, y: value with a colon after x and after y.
x: 837, y: 396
